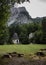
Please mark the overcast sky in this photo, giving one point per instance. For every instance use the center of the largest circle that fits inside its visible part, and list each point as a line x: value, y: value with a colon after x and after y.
x: 36, y: 8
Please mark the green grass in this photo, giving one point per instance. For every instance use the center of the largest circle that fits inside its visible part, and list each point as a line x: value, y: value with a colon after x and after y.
x: 26, y: 49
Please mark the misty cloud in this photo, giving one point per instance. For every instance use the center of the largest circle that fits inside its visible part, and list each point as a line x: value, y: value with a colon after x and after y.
x: 43, y: 1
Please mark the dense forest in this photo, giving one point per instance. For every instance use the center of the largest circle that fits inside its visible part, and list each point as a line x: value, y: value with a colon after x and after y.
x: 23, y: 31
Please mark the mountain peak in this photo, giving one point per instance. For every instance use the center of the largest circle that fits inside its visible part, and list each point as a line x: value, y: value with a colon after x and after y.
x: 19, y: 15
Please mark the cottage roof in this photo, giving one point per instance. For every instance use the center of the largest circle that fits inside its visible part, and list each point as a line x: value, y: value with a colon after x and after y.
x: 15, y: 36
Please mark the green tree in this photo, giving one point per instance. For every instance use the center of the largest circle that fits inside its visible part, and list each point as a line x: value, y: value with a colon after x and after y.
x: 36, y: 29
x: 4, y: 35
x: 38, y: 36
x: 3, y: 18
x: 44, y: 29
x: 24, y: 38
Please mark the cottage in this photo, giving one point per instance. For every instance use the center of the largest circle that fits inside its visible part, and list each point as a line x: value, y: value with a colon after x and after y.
x: 15, y: 38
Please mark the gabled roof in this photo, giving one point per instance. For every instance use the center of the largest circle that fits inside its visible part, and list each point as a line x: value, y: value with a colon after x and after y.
x: 15, y: 36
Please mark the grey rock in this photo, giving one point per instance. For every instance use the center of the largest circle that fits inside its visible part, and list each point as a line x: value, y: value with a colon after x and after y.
x: 19, y: 16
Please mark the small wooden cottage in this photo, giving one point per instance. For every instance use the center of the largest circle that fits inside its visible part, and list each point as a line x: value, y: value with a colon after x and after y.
x: 15, y: 38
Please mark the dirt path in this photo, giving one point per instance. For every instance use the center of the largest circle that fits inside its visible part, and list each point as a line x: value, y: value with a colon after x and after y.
x: 22, y: 61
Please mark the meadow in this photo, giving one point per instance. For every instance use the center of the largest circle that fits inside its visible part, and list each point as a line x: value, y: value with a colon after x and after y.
x: 26, y: 49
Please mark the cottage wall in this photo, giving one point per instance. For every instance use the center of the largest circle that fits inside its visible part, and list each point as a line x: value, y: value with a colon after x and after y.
x: 15, y: 41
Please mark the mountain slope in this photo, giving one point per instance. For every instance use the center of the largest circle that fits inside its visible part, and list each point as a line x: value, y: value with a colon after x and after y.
x: 19, y: 16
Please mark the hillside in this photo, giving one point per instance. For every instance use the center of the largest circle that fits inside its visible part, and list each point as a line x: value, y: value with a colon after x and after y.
x: 21, y: 16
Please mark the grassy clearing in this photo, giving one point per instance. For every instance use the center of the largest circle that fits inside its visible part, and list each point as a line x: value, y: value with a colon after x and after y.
x: 26, y: 49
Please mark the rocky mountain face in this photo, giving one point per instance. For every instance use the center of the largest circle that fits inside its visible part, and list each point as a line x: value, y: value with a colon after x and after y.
x: 19, y: 16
